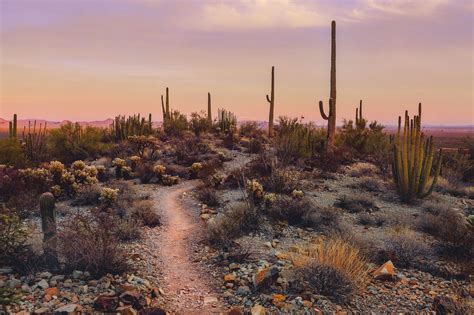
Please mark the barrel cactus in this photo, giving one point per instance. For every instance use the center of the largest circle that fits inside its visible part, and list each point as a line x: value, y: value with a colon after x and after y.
x: 47, y: 203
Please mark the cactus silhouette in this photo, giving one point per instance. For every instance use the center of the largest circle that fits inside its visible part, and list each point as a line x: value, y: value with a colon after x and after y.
x: 271, y: 100
x: 48, y: 225
x: 12, y: 127
x: 331, y: 116
x: 209, y: 109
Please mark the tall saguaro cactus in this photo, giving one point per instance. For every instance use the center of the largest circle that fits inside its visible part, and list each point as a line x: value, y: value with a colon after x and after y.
x: 360, y: 121
x: 209, y: 109
x: 271, y: 100
x: 48, y: 225
x: 12, y: 127
x: 165, y: 106
x: 331, y: 116
x: 413, y: 160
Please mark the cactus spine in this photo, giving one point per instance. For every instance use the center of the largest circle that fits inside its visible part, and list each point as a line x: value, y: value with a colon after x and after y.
x: 331, y: 117
x: 12, y: 127
x: 413, y: 160
x: 48, y: 225
x: 271, y: 100
x: 209, y: 109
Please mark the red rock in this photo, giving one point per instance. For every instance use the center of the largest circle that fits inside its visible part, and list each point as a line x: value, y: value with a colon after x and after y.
x: 52, y: 291
x: 106, y: 303
x: 133, y: 298
x: 235, y: 311
x: 229, y: 277
x: 278, y: 300
x: 265, y: 277
x: 385, y: 272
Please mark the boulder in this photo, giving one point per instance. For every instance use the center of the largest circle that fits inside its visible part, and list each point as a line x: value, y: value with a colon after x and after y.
x: 385, y: 272
x: 106, y: 303
x: 265, y: 277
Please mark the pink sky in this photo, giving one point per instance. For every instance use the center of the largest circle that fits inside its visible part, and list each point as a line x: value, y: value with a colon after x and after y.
x: 93, y: 59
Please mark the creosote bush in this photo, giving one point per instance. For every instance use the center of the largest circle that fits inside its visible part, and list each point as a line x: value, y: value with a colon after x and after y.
x: 144, y: 211
x: 356, y: 203
x: 331, y: 267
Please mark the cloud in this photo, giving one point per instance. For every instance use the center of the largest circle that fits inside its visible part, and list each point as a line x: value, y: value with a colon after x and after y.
x: 258, y: 14
x: 403, y: 7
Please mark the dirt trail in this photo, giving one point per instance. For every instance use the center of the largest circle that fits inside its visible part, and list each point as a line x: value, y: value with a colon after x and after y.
x: 186, y: 290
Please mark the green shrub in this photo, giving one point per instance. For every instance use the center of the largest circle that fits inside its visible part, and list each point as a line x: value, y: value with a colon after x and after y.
x: 176, y: 124
x: 199, y: 123
x: 11, y: 153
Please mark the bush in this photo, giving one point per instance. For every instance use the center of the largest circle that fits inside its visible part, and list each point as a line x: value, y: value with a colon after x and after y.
x: 199, y: 123
x: 371, y: 184
x: 144, y: 211
x: 370, y: 219
x: 356, y: 203
x: 13, y: 237
x: 208, y: 196
x: 450, y: 227
x: 91, y: 243
x: 128, y: 229
x: 87, y: 195
x: 233, y: 223
x: 362, y: 169
x: 145, y: 172
x: 405, y: 248
x: 71, y: 142
x: 11, y: 153
x: 331, y: 267
x: 250, y: 129
x: 176, y: 124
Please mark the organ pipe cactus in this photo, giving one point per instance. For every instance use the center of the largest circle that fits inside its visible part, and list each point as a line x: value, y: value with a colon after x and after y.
x: 331, y: 116
x: 271, y: 100
x: 124, y: 127
x: 35, y: 141
x: 413, y: 158
x: 48, y: 225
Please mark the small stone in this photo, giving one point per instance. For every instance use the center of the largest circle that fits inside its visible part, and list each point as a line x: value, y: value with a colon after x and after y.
x: 265, y: 277
x: 268, y: 245
x: 77, y: 274
x: 57, y: 278
x: 385, y: 272
x: 41, y: 310
x: 205, y: 216
x: 210, y: 300
x: 257, y: 309
x: 234, y: 266
x: 243, y: 290
x: 6, y: 270
x: 52, y: 291
x: 126, y: 310
x: 45, y: 275
x: 278, y: 299
x: 106, y: 303
x: 229, y: 277
x: 43, y: 284
x: 67, y: 309
x: 14, y: 283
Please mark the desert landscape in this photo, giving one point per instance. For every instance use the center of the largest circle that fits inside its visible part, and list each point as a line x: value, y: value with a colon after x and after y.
x: 205, y: 213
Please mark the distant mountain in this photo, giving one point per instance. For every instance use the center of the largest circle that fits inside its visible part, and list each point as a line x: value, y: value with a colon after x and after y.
x: 53, y: 124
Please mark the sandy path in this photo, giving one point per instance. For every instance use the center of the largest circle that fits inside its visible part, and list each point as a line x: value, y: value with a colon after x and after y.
x: 186, y: 290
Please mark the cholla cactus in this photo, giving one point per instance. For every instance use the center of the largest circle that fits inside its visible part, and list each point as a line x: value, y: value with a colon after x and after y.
x: 216, y: 180
x: 255, y: 189
x: 68, y: 178
x: 119, y: 164
x: 169, y: 180
x: 195, y: 169
x: 108, y: 195
x: 297, y: 194
x: 269, y: 198
x: 56, y: 190
x: 78, y: 165
x: 56, y: 169
x: 101, y: 173
x: 127, y: 172
x: 134, y: 160
x: 159, y: 170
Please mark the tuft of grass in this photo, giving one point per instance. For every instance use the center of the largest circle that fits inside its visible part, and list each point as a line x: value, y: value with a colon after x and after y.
x: 332, y: 267
x: 362, y: 169
x: 208, y: 196
x: 356, y: 203
x: 405, y: 248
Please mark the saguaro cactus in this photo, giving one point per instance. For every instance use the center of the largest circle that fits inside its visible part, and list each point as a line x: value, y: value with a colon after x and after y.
x: 271, y: 100
x: 12, y: 127
x: 48, y: 225
x: 413, y: 160
x: 331, y: 117
x: 360, y: 121
x: 209, y: 109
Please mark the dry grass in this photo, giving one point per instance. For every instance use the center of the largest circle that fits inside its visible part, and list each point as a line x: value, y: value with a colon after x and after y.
x: 336, y: 254
x: 362, y: 169
x: 356, y: 203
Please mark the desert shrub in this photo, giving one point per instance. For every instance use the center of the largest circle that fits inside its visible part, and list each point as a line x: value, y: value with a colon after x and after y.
x: 169, y: 180
x: 290, y: 209
x: 226, y: 121
x: 143, y: 146
x: 331, y: 267
x: 234, y: 222
x: 457, y: 188
x: 10, y: 183
x: 90, y: 243
x: 13, y: 237
x: 295, y: 140
x: 108, y: 196
x: 255, y: 191
x: 250, y: 129
x: 255, y: 146
x: 458, y: 166
x: 331, y: 161
x: 371, y: 184
x: 11, y: 153
x: 199, y: 123
x: 371, y: 219
x: 176, y: 124
x: 362, y: 169
x: 71, y: 142
x: 128, y: 229
x: 208, y: 196
x: 87, y: 195
x: 405, y: 248
x: 145, y: 172
x: 452, y: 230
x: 280, y: 180
x: 144, y: 211
x: 356, y: 203
x: 189, y: 150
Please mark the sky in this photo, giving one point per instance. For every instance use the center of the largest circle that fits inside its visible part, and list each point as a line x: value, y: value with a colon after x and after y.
x: 94, y: 59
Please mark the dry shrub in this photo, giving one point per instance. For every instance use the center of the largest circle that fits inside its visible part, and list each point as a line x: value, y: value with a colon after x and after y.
x: 457, y: 189
x: 405, y: 248
x: 128, y: 229
x: 356, y: 203
x: 332, y: 267
x: 371, y: 219
x: 362, y: 169
x: 450, y: 227
x: 208, y: 196
x: 145, y: 172
x: 233, y: 223
x: 87, y: 195
x: 371, y: 184
x: 91, y: 243
x: 144, y: 212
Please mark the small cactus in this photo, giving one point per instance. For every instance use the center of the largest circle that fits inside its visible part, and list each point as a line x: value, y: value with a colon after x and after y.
x: 48, y: 224
x: 209, y: 109
x: 271, y: 100
x: 12, y: 127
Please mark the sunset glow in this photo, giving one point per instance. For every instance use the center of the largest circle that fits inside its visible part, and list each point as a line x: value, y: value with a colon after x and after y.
x: 93, y: 59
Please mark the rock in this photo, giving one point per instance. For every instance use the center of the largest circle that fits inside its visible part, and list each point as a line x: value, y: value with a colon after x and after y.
x: 133, y: 298
x: 45, y: 275
x: 210, y: 300
x: 126, y: 310
x: 385, y: 272
x: 106, y: 303
x: 257, y: 309
x: 41, y: 310
x: 205, y: 216
x: 446, y: 305
x: 229, y: 277
x: 52, y: 291
x: 234, y: 266
x: 2, y: 283
x: 265, y: 277
x: 278, y: 300
x: 235, y: 311
x: 14, y: 283
x: 68, y: 309
x: 77, y: 274
x: 43, y: 284
x: 268, y: 245
x: 152, y: 311
x: 243, y: 290
x: 57, y: 278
